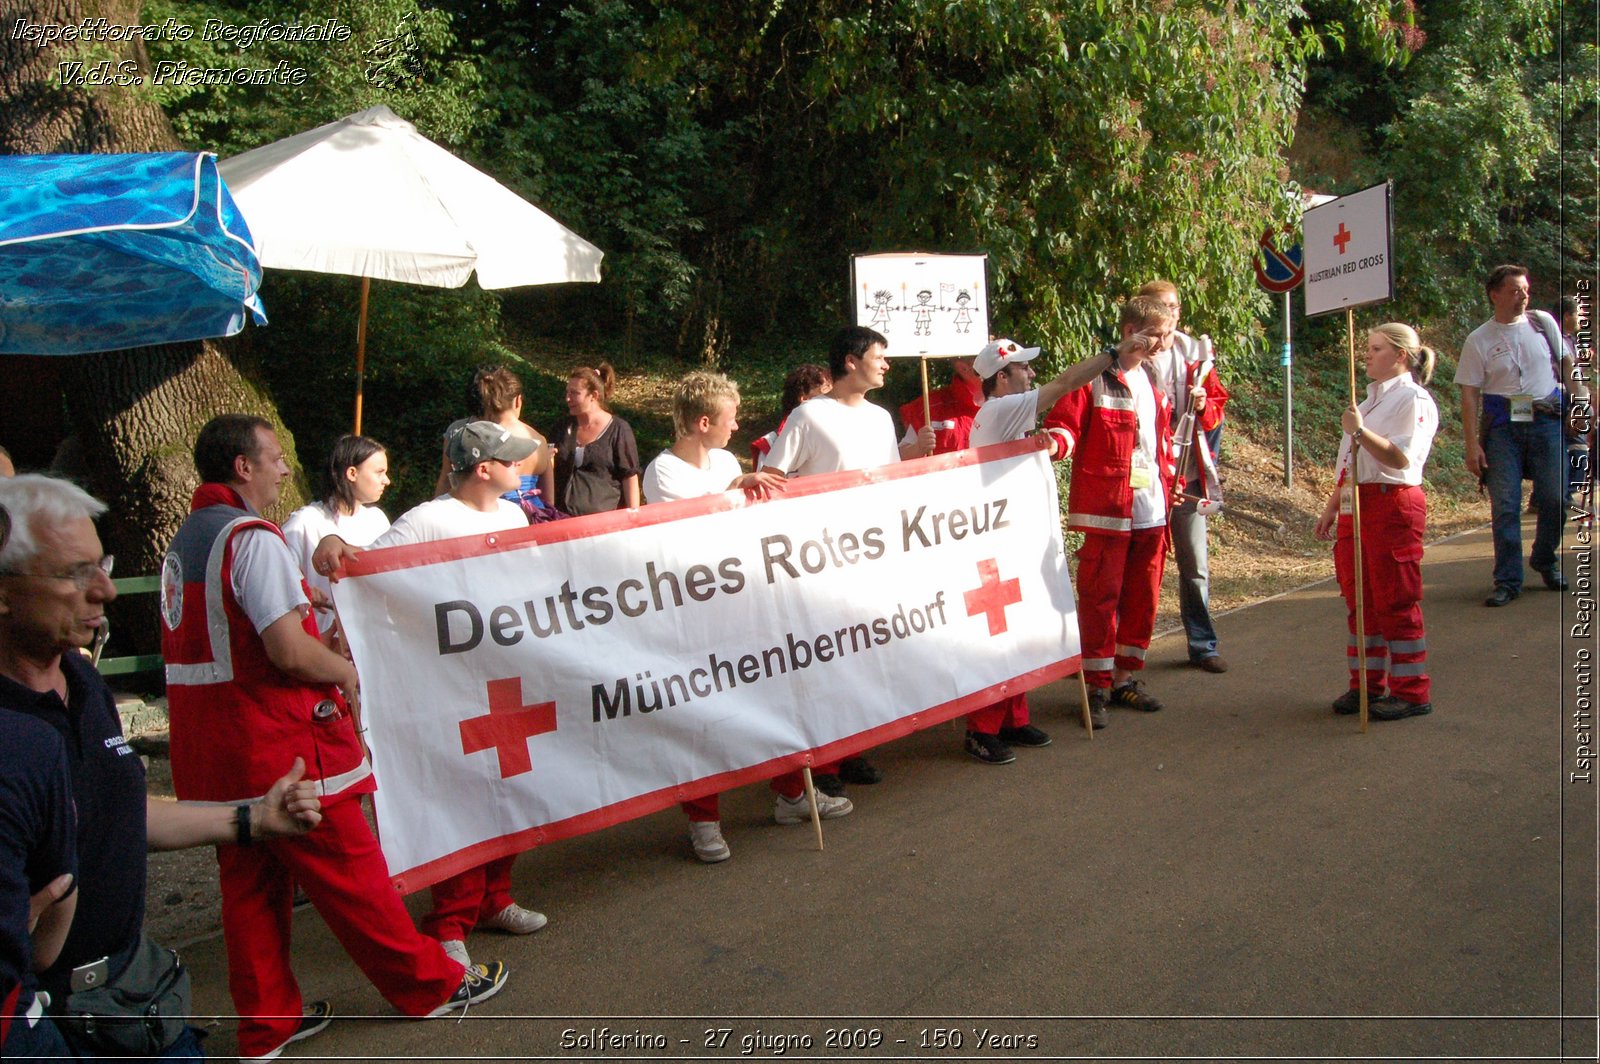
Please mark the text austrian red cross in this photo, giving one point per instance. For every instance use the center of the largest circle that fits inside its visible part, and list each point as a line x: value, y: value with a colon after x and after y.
x: 508, y: 727
x: 993, y: 595
x: 1342, y: 237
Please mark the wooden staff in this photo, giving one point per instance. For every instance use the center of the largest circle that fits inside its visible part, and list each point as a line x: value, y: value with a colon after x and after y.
x: 1355, y: 527
x: 811, y: 796
x: 1083, y: 691
x: 927, y: 414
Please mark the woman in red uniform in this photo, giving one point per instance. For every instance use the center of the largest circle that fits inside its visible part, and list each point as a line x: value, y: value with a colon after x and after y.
x: 1391, y: 431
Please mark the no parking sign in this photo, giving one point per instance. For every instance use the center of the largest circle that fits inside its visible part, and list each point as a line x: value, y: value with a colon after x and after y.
x: 1279, y: 269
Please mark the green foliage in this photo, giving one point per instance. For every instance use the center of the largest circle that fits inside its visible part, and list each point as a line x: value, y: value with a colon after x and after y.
x: 399, y: 53
x: 731, y: 158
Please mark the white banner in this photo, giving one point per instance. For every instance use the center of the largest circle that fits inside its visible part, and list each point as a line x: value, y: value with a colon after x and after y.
x: 1349, y: 258
x: 924, y: 305
x: 540, y: 683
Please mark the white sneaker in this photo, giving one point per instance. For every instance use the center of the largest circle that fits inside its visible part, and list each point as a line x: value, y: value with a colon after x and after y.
x: 456, y: 950
x: 516, y: 920
x: 798, y: 810
x: 709, y: 845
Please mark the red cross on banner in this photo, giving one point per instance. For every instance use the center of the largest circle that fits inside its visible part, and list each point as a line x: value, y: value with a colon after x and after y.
x: 1342, y: 238
x: 993, y: 595
x: 508, y: 726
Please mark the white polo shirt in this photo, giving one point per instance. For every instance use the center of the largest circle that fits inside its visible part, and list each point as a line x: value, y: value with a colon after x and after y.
x: 1402, y: 412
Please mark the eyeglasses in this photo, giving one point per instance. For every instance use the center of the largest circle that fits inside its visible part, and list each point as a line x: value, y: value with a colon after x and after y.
x: 82, y: 575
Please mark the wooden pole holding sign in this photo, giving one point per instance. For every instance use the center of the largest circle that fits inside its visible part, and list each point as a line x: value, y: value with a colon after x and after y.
x: 1355, y: 528
x: 1348, y: 264
x: 816, y: 814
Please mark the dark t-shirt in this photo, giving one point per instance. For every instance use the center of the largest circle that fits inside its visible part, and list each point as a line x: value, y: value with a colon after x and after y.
x: 37, y: 837
x: 593, y: 485
x: 109, y: 791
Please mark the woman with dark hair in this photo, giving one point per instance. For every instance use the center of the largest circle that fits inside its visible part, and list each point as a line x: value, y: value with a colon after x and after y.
x: 496, y: 394
x: 355, y: 477
x: 597, y: 458
x: 806, y: 381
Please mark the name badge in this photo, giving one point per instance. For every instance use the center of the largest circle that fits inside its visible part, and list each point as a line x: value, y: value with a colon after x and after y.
x: 1140, y: 476
x: 1346, y: 506
x: 1521, y: 407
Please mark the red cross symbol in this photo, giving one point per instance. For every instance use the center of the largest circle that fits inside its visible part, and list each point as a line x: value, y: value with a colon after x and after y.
x: 508, y: 726
x: 992, y: 596
x: 1342, y: 237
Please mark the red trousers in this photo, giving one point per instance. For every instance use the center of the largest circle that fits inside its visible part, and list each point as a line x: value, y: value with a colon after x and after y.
x: 707, y: 809
x: 1119, y: 584
x: 468, y: 897
x: 1393, y: 520
x: 1009, y: 712
x: 344, y: 874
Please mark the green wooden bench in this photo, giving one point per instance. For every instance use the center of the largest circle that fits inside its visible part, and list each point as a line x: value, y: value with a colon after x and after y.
x: 130, y: 663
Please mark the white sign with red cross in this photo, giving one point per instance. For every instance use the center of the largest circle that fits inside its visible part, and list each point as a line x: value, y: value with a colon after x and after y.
x: 1349, y: 257
x: 531, y: 685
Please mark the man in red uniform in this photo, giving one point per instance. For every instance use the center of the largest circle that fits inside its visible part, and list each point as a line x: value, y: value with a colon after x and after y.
x: 1119, y: 434
x: 251, y: 686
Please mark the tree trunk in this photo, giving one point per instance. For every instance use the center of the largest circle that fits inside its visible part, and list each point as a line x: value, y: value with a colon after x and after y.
x: 133, y: 415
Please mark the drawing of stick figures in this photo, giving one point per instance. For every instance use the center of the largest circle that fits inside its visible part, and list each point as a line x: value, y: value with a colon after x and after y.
x: 880, y: 310
x: 963, y: 315
x: 924, y: 314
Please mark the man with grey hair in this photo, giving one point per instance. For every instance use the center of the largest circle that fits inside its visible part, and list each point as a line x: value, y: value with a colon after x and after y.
x: 55, y: 582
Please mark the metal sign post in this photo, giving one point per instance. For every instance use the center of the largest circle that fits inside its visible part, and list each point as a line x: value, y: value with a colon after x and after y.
x: 1281, y: 270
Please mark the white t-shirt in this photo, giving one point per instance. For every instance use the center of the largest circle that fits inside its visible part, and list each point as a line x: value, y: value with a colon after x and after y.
x: 824, y: 435
x: 1404, y: 413
x: 670, y: 477
x: 1149, y: 502
x: 1507, y: 359
x: 305, y: 528
x: 1005, y: 417
x: 448, y: 517
x: 266, y: 578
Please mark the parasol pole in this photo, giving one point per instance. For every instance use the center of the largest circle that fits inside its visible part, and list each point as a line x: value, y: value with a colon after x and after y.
x: 1355, y: 526
x: 361, y: 348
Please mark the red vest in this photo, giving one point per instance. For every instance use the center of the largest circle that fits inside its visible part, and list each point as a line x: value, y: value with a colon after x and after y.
x: 237, y: 722
x: 1104, y: 431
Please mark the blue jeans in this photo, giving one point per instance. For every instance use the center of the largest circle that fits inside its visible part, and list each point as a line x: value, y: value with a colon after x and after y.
x: 1194, y: 585
x: 1537, y: 450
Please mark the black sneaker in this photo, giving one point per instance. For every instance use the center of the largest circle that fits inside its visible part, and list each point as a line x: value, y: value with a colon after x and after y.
x: 1132, y: 696
x: 1391, y: 708
x: 989, y: 749
x: 480, y: 982
x: 1097, y: 708
x: 860, y: 771
x: 1501, y: 596
x: 1349, y: 703
x: 1552, y: 577
x: 1027, y: 735
x: 828, y: 784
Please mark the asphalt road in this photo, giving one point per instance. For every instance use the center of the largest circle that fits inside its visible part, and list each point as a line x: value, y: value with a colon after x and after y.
x: 1242, y: 875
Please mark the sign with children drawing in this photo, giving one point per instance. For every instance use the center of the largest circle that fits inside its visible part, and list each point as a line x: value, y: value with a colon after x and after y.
x: 926, y: 305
